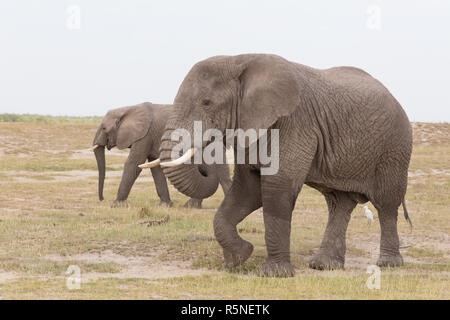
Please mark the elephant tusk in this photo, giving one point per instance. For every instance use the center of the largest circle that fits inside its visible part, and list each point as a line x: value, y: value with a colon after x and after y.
x: 94, y: 147
x: 189, y: 154
x: 151, y: 164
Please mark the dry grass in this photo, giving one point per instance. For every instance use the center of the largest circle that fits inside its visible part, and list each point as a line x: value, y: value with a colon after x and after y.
x: 50, y: 218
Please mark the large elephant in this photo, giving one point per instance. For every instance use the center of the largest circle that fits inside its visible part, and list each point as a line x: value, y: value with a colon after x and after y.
x: 140, y: 128
x: 340, y: 132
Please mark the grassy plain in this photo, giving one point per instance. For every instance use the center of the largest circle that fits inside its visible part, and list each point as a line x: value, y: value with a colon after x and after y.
x: 50, y: 218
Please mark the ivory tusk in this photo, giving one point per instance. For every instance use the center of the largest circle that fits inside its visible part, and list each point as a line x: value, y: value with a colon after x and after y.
x: 151, y: 164
x: 189, y: 154
x: 94, y: 147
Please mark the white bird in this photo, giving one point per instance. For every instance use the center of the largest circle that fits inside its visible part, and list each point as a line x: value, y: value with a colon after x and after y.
x: 369, y: 215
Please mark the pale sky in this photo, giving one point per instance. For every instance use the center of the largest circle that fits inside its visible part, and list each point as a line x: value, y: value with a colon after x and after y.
x: 127, y: 52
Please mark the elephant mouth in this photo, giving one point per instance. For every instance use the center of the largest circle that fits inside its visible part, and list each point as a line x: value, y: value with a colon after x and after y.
x: 110, y: 144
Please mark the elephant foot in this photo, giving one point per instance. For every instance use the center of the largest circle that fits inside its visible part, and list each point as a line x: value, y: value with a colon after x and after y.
x: 193, y: 203
x: 390, y: 260
x: 238, y: 257
x: 323, y: 261
x: 166, y: 203
x: 282, y: 269
x: 119, y: 204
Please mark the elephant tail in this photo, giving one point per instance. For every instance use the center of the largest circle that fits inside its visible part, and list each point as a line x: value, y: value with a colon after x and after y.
x: 405, y: 212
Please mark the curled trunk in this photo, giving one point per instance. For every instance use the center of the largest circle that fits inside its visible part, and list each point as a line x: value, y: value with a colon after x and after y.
x: 195, y: 181
x: 100, y: 157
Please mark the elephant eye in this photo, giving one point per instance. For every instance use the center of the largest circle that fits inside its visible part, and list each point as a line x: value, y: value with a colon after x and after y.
x: 206, y: 102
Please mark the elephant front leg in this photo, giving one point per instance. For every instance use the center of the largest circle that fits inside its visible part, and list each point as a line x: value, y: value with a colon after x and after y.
x: 243, y: 198
x: 331, y: 254
x: 278, y: 203
x: 223, y: 173
x: 130, y: 173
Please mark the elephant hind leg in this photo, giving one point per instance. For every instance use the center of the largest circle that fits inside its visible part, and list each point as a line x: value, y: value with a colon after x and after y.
x: 390, y: 192
x: 161, y: 185
x: 193, y: 203
x: 389, y: 243
x: 331, y: 254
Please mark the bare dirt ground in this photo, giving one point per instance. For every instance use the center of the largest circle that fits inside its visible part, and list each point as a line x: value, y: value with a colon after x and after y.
x: 50, y: 218
x: 146, y: 267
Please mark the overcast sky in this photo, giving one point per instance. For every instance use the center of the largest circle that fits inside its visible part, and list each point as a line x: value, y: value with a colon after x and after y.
x: 125, y: 52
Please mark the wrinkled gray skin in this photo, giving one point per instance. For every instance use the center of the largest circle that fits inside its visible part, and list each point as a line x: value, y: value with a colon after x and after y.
x: 341, y: 132
x: 140, y: 128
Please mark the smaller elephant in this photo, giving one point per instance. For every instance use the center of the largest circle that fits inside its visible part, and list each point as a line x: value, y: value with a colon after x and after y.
x: 140, y: 128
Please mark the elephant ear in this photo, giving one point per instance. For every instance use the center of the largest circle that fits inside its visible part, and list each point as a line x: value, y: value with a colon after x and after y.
x: 134, y: 124
x: 269, y: 89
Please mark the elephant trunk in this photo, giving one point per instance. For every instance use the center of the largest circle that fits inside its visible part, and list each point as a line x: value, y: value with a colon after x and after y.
x: 99, y: 143
x: 197, y: 181
x: 100, y: 157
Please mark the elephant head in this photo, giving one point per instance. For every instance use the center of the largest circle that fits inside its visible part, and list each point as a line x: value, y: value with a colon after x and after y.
x: 120, y: 128
x: 228, y: 92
